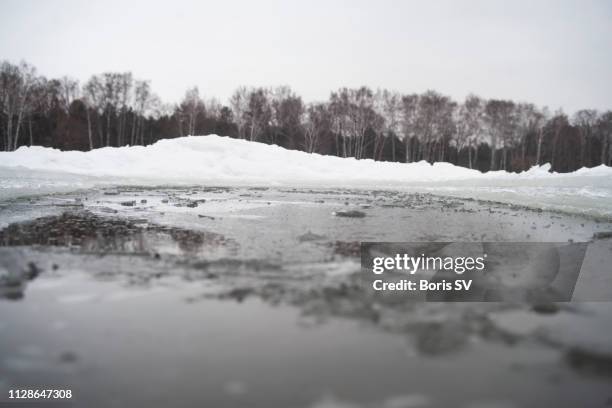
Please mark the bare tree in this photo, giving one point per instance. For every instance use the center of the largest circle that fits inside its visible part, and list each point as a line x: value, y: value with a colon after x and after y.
x: 94, y: 97
x: 110, y: 98
x: 339, y: 109
x: 125, y: 83
x: 390, y: 108
x: 585, y: 120
x: 353, y: 116
x: 409, y: 124
x: 288, y: 110
x: 259, y: 113
x: 16, y: 83
x: 316, y: 123
x: 432, y: 124
x: 470, y: 126
x: 557, y: 123
x: 500, y: 120
x: 361, y: 118
x: 604, y: 129
x: 142, y: 101
x: 239, y: 103
x: 190, y: 109
x: 69, y: 91
x: 9, y: 91
x: 213, y: 108
x: 531, y: 121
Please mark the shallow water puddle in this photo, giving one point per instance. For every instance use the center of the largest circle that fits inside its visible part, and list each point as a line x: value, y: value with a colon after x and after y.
x: 154, y: 348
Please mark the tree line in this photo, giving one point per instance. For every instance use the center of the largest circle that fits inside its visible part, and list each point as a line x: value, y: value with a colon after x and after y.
x: 116, y: 109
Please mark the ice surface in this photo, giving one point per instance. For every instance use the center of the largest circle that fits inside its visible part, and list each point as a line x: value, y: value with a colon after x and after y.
x: 215, y: 160
x: 136, y: 301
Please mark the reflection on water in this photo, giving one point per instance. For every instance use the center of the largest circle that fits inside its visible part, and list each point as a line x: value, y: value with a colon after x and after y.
x: 136, y: 309
x: 139, y: 346
x: 118, y: 345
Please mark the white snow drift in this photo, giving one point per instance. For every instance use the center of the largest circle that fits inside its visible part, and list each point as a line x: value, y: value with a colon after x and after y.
x: 215, y: 160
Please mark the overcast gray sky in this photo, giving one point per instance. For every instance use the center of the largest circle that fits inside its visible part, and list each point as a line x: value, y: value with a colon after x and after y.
x: 554, y: 53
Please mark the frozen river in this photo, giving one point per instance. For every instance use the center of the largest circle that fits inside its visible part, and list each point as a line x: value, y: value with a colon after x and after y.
x: 224, y: 297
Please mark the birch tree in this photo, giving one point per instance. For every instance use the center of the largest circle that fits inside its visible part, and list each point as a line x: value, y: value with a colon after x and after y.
x: 409, y: 125
x: 239, y: 104
x: 469, y: 126
x: 316, y: 124
x: 259, y: 113
x: 499, y: 119
x: 585, y: 121
x: 390, y: 108
x: 16, y: 83
x: 604, y: 129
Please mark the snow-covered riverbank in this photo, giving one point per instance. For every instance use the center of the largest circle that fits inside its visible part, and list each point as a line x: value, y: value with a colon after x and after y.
x: 215, y: 160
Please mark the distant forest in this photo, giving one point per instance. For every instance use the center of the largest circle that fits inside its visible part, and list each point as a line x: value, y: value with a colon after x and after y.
x: 116, y: 109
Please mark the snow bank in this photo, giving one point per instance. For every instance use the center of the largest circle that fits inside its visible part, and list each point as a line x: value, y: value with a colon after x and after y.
x: 215, y: 160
